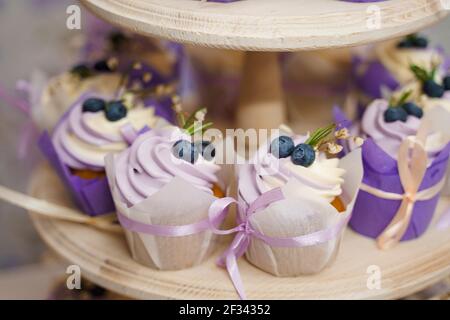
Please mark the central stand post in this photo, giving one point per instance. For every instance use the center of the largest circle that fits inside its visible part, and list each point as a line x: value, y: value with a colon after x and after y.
x: 261, y: 103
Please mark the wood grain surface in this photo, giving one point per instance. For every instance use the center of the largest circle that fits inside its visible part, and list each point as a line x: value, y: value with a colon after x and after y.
x: 268, y: 25
x: 105, y: 260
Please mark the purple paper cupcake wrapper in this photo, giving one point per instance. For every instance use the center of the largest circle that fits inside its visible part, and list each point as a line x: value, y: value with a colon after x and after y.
x: 92, y: 196
x: 371, y: 214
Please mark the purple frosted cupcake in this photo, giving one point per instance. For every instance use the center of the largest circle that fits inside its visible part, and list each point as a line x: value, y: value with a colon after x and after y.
x: 388, y: 126
x: 93, y: 127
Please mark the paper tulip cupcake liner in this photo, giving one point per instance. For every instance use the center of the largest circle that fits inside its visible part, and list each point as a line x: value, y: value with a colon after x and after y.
x: 293, y: 206
x: 163, y: 186
x: 405, y: 164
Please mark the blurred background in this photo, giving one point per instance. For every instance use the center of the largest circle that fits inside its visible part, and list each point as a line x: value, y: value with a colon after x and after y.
x: 33, y: 35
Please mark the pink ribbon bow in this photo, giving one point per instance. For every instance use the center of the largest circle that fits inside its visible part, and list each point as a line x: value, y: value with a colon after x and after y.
x: 245, y: 233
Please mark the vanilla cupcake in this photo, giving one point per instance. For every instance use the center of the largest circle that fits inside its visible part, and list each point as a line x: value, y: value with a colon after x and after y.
x: 90, y: 129
x: 319, y: 192
x: 165, y: 180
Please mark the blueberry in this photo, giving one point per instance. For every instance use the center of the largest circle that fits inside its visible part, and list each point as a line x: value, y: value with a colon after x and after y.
x: 183, y: 149
x: 282, y: 147
x: 413, y: 110
x: 81, y: 70
x: 93, y: 105
x: 446, y: 83
x: 432, y: 89
x: 115, y: 111
x: 393, y: 114
x: 405, y: 43
x: 102, y: 66
x: 118, y: 40
x: 303, y: 155
x: 420, y: 42
x: 206, y: 149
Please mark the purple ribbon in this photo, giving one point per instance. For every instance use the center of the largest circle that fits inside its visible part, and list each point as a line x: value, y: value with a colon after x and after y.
x: 245, y: 232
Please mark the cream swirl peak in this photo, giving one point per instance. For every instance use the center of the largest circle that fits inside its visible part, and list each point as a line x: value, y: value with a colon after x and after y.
x: 82, y: 139
x: 322, y: 179
x: 389, y: 135
x: 149, y: 164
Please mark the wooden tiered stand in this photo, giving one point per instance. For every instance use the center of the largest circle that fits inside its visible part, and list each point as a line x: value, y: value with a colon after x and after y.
x: 260, y: 27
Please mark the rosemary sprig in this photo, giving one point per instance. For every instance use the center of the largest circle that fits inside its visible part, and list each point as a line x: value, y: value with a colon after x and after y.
x: 403, y: 98
x: 420, y: 73
x: 319, y: 135
x: 194, y: 122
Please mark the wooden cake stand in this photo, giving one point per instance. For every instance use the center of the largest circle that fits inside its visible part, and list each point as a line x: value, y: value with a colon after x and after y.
x: 269, y: 25
x: 256, y: 25
x: 104, y: 259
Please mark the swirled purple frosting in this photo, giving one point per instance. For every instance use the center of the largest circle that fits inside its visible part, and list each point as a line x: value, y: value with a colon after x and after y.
x: 82, y: 139
x: 389, y: 135
x: 149, y: 164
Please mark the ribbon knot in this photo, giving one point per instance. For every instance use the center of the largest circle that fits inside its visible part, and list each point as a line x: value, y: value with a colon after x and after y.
x: 245, y: 232
x: 410, y: 197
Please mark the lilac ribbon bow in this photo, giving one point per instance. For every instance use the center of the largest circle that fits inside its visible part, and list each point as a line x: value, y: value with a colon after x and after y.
x: 245, y: 232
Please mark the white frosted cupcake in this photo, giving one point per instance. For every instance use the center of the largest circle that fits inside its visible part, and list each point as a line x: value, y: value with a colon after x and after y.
x: 319, y: 194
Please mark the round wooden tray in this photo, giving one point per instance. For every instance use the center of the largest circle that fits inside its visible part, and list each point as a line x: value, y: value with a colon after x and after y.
x: 104, y: 259
x: 270, y: 25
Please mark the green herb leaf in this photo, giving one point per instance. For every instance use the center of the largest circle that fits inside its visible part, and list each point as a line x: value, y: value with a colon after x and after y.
x: 404, y: 97
x: 320, y: 134
x: 191, y: 119
x: 421, y: 73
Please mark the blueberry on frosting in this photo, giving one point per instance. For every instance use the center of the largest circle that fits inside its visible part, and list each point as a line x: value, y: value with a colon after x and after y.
x: 115, y: 111
x: 303, y: 155
x: 413, y: 41
x: 413, y: 110
x: 94, y: 105
x: 282, y: 147
x: 429, y: 86
x: 393, y: 114
x: 433, y: 89
x: 82, y: 71
x: 446, y: 83
x: 185, y: 150
x: 206, y: 149
x: 103, y: 66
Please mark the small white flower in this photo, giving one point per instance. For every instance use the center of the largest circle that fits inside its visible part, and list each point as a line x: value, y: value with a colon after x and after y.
x: 358, y: 141
x: 333, y: 148
x: 342, y: 134
x: 200, y: 115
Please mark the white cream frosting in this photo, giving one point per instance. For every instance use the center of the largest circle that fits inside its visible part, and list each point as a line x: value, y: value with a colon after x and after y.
x: 398, y: 60
x: 322, y: 180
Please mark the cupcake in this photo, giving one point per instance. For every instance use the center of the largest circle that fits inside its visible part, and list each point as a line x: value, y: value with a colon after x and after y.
x: 93, y: 127
x: 165, y: 180
x: 387, y: 65
x: 319, y: 191
x: 392, y: 128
